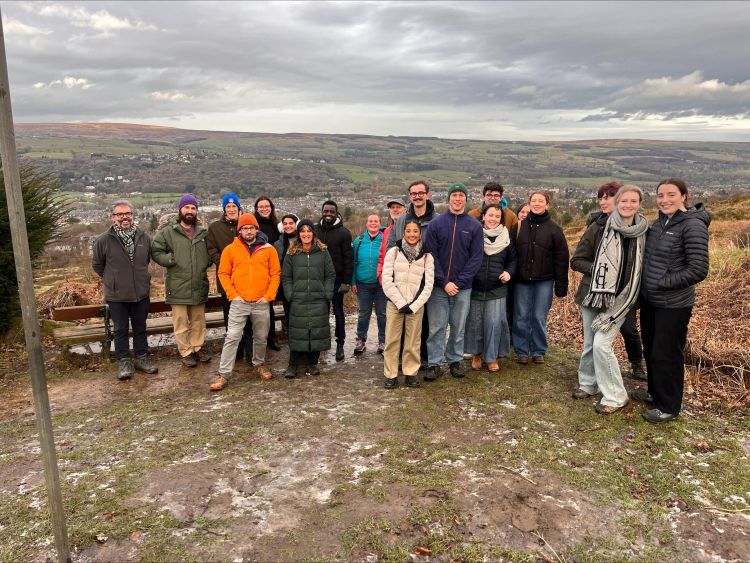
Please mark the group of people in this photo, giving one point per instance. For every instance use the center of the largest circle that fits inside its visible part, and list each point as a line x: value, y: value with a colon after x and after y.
x: 441, y: 284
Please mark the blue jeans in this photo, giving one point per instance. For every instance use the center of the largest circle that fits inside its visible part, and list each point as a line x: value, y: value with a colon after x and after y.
x: 598, y: 369
x: 367, y: 294
x: 135, y: 312
x: 487, y: 330
x: 532, y: 304
x: 338, y: 312
x: 443, y: 311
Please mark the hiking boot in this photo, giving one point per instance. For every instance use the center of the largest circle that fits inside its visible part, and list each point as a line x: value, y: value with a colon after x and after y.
x: 656, y: 416
x: 493, y: 366
x: 411, y: 381
x: 313, y: 370
x: 201, y: 356
x: 381, y: 348
x: 359, y: 346
x: 189, y: 361
x: 291, y: 372
x: 265, y: 373
x: 641, y: 394
x: 273, y: 345
x: 391, y: 382
x: 638, y: 371
x: 433, y: 372
x: 606, y: 409
x: 523, y: 360
x: 581, y: 394
x: 339, y: 352
x: 457, y: 370
x: 538, y: 359
x: 144, y: 364
x: 125, y: 370
x: 476, y: 362
x: 219, y: 383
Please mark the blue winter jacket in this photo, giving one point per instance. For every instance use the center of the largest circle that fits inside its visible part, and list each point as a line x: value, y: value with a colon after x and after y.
x: 366, y: 252
x: 456, y: 243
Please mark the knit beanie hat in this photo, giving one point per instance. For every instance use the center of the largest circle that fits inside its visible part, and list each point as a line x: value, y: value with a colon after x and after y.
x: 247, y: 219
x: 187, y: 199
x: 305, y: 223
x: 458, y: 187
x: 230, y: 198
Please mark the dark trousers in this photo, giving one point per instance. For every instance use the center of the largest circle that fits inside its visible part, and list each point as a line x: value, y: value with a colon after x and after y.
x: 134, y: 313
x: 272, y: 328
x: 629, y: 331
x: 303, y: 358
x: 246, y: 344
x: 423, y: 338
x: 338, y: 313
x: 664, y: 337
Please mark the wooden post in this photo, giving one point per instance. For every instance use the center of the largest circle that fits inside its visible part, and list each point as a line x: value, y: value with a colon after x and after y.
x: 24, y: 274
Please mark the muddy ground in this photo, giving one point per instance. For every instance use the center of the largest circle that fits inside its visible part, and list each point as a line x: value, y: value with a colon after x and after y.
x: 492, y: 467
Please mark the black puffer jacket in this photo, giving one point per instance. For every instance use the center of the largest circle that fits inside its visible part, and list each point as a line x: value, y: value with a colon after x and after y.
x: 542, y: 252
x: 676, y: 258
x: 338, y: 239
x: 488, y: 276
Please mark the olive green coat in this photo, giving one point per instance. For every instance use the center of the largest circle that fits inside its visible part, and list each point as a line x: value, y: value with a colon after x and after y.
x: 308, y: 280
x: 186, y: 262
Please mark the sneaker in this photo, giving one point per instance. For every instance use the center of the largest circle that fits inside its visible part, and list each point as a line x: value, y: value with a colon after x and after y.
x: 523, y: 360
x: 411, y: 381
x: 433, y: 372
x: 656, y: 416
x: 219, y: 383
x: 638, y: 371
x: 390, y: 382
x: 457, y: 370
x: 476, y: 362
x: 381, y: 348
x: 606, y: 409
x: 125, y: 370
x: 144, y: 364
x: 313, y: 370
x: 581, y: 394
x: 359, y: 346
x: 538, y: 359
x: 201, y: 356
x: 641, y: 394
x: 493, y: 366
x: 189, y: 361
x: 339, y: 352
x: 265, y: 373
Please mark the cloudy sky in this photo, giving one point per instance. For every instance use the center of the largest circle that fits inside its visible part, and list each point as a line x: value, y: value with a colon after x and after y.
x: 484, y: 70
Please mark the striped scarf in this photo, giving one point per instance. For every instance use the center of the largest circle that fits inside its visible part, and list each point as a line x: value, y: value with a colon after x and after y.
x: 127, y: 237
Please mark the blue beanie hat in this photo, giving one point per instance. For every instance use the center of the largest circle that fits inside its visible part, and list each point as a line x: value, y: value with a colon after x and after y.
x: 230, y: 198
x: 187, y: 199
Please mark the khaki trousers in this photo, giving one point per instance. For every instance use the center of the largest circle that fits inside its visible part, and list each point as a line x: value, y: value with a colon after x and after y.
x: 189, y: 323
x: 411, y: 326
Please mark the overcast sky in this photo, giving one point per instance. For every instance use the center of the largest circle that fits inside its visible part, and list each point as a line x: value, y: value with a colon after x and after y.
x: 485, y: 70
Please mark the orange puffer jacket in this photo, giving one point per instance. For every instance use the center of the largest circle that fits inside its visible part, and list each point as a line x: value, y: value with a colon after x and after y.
x: 251, y: 276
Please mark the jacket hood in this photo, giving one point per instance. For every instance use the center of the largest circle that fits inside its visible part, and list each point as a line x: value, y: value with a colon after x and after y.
x: 598, y: 217
x: 337, y: 223
x: 430, y: 208
x: 698, y: 211
x: 295, y: 246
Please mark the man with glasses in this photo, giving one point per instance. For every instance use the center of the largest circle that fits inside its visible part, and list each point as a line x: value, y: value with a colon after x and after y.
x: 250, y: 274
x: 120, y: 257
x: 492, y: 194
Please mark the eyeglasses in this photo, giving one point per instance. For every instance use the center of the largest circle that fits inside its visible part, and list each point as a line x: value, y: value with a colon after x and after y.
x: 121, y: 215
x: 417, y: 194
x: 493, y: 194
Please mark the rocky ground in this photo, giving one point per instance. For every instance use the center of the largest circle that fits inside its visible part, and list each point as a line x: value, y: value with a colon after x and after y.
x: 491, y: 467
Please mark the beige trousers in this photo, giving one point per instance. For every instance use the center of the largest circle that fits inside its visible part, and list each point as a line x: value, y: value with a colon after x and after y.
x: 411, y: 326
x: 189, y: 327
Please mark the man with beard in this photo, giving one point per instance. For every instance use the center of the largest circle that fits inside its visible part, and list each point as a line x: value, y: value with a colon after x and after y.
x: 250, y: 273
x: 331, y: 232
x: 120, y: 257
x: 181, y: 248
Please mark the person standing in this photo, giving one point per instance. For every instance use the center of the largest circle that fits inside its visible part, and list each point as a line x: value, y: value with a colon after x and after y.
x: 182, y: 249
x: 288, y: 230
x: 455, y: 239
x: 251, y: 274
x: 221, y: 233
x: 365, y: 283
x: 542, y: 266
x: 492, y: 194
x: 120, y: 257
x: 408, y: 278
x: 338, y: 240
x: 676, y: 259
x: 487, y: 331
x: 396, y: 208
x: 610, y: 294
x: 309, y: 276
x: 265, y: 214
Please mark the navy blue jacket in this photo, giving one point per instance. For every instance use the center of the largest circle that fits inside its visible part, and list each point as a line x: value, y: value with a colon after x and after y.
x: 457, y: 245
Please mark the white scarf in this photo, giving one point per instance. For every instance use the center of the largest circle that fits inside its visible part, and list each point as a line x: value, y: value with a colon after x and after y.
x: 495, y: 240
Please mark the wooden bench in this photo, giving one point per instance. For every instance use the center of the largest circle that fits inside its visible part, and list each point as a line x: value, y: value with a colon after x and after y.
x: 103, y: 331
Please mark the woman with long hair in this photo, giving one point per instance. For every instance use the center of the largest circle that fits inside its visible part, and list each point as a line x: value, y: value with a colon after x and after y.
x: 265, y: 213
x: 288, y: 230
x: 676, y: 259
x: 611, y: 292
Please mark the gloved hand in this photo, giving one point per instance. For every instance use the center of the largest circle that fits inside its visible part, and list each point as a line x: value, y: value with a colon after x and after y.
x: 406, y: 310
x: 344, y: 288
